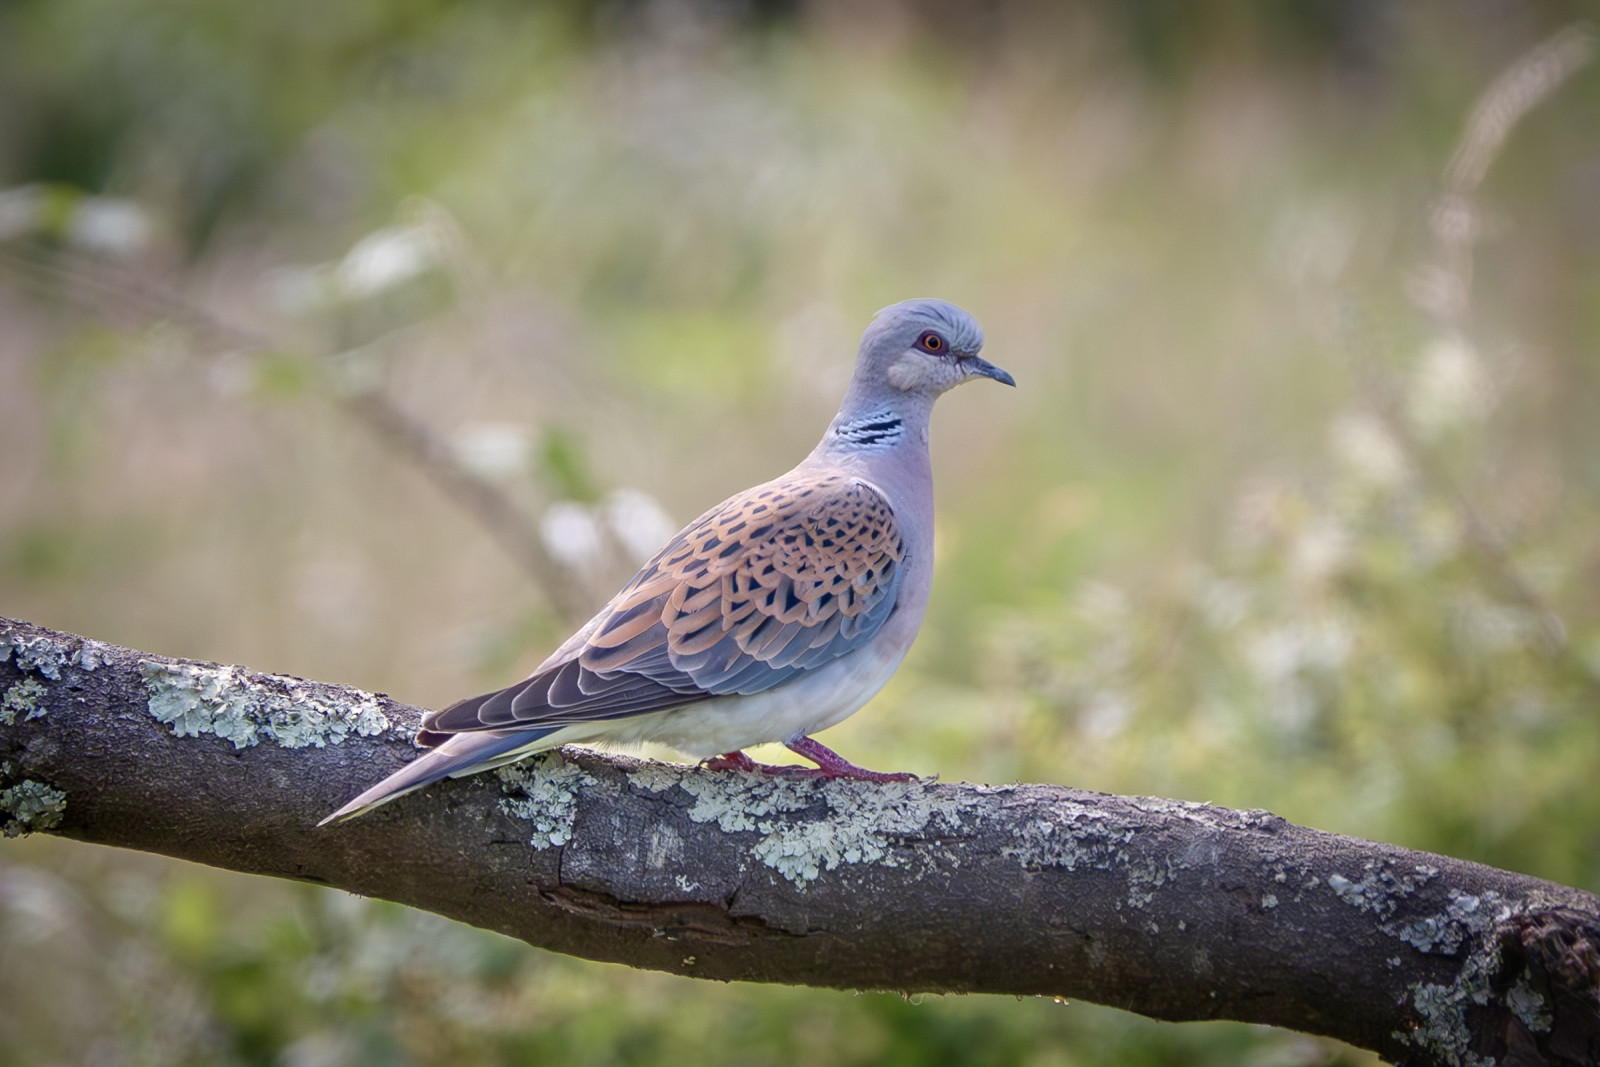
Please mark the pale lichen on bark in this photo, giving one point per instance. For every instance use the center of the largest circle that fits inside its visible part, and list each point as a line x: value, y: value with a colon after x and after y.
x: 31, y: 806
x: 1067, y: 838
x: 21, y: 699
x: 47, y: 657
x: 1466, y: 920
x: 544, y: 793
x: 807, y: 827
x: 195, y: 699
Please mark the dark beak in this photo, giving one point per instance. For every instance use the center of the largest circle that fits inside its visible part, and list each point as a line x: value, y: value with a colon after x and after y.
x: 982, y: 368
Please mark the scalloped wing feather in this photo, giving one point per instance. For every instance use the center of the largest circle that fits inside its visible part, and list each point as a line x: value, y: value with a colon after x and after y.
x: 775, y: 581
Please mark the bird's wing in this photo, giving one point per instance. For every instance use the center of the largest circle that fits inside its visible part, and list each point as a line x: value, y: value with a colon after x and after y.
x: 775, y: 581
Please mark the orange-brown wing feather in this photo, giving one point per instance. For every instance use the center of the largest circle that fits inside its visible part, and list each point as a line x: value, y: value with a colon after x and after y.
x: 774, y: 581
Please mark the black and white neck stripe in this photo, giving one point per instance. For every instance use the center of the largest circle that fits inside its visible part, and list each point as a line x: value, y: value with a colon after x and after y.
x: 877, y: 430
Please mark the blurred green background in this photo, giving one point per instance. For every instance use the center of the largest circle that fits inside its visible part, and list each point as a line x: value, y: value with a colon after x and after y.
x: 1296, y: 507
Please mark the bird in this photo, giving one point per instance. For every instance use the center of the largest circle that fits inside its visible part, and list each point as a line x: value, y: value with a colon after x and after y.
x: 771, y: 617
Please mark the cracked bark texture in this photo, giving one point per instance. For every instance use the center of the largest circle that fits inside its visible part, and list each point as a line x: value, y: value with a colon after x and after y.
x: 1171, y: 909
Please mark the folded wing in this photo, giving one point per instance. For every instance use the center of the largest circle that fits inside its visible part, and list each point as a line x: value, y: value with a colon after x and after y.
x: 777, y: 580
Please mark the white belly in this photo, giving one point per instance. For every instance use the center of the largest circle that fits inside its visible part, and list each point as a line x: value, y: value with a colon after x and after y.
x: 806, y: 704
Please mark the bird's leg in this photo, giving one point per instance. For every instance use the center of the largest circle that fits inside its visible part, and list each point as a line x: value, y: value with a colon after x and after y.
x: 739, y: 761
x: 832, y: 765
x: 731, y: 761
x: 829, y: 764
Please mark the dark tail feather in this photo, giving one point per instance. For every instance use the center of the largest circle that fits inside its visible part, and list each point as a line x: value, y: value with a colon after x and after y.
x: 460, y: 755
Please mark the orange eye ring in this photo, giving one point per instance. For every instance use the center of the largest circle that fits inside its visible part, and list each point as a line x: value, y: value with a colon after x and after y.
x: 931, y: 342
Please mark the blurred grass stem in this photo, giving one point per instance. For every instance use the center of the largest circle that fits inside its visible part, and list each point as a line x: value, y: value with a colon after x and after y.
x: 107, y: 288
x: 1447, y: 289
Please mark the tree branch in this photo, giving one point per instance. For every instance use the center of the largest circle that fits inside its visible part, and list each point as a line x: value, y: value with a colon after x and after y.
x: 1172, y: 909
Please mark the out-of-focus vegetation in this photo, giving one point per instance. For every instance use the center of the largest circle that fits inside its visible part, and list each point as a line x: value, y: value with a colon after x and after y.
x: 1278, y: 518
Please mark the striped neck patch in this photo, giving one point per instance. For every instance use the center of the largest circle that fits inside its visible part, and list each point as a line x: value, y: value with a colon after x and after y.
x: 877, y: 430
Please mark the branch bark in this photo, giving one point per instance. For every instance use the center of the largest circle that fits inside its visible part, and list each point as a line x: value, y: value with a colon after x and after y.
x: 1172, y: 909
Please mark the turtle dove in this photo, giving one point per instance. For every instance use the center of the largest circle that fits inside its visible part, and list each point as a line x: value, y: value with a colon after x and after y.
x: 771, y: 617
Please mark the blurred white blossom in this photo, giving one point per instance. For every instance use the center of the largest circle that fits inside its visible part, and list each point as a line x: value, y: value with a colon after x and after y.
x: 1106, y: 715
x: 1448, y: 387
x: 380, y: 261
x: 112, y: 225
x: 1366, y: 449
x: 1280, y: 657
x: 385, y: 259
x: 1224, y: 603
x: 573, y: 536
x: 586, y: 538
x: 1320, y: 548
x: 1277, y: 654
x: 637, y: 521
x: 22, y: 210
x: 497, y: 451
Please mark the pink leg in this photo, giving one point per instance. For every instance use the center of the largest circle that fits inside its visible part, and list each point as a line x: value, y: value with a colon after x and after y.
x: 829, y: 764
x: 832, y: 765
x: 739, y: 761
x: 731, y: 761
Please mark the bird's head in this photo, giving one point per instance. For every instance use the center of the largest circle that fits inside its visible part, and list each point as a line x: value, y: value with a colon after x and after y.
x: 925, y: 347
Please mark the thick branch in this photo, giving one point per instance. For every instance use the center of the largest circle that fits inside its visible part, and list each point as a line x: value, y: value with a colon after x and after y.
x: 1175, y: 910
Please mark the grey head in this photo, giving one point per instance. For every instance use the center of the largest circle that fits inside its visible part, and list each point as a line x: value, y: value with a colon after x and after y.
x: 920, y: 349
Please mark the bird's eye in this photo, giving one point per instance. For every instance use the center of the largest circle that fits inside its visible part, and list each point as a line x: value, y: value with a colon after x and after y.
x: 931, y: 342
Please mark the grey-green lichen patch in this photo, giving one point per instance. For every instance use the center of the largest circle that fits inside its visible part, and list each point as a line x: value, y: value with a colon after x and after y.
x: 807, y: 827
x: 1189, y: 809
x: 655, y: 778
x: 1144, y: 878
x: 229, y: 703
x: 1443, y: 1030
x: 1465, y: 917
x: 1527, y: 1004
x: 1380, y: 891
x: 1073, y: 836
x: 544, y: 792
x: 1442, y: 1015
x: 1380, y: 888
x: 21, y: 699
x: 1442, y: 1009
x: 90, y: 656
x: 29, y: 806
x: 39, y: 654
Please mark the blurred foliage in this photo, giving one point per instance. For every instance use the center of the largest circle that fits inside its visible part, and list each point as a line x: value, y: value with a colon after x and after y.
x: 1262, y: 526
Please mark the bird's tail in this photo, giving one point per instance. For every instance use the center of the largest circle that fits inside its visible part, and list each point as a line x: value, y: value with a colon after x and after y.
x: 460, y: 755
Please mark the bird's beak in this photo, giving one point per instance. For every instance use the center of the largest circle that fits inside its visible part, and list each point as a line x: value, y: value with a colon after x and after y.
x: 982, y: 368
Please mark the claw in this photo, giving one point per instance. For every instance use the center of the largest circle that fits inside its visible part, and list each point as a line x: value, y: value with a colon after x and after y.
x: 730, y: 761
x: 738, y: 761
x: 829, y: 765
x: 832, y: 765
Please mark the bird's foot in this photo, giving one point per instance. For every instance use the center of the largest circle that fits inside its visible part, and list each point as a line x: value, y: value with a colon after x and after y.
x: 730, y: 761
x: 738, y: 761
x: 829, y: 765
x: 832, y: 765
